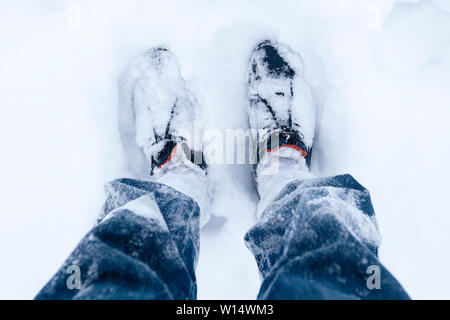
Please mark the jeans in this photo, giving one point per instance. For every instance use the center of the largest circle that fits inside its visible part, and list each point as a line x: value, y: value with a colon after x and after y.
x: 316, y: 240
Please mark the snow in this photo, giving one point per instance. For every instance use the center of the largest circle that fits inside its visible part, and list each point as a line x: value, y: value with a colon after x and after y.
x: 275, y: 170
x: 189, y: 179
x: 379, y: 71
x: 146, y: 206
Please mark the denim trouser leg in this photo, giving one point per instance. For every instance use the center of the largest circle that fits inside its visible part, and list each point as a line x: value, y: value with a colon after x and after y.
x: 144, y: 247
x: 317, y: 240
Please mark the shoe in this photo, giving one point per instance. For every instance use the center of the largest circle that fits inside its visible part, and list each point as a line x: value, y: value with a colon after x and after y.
x: 281, y: 116
x: 279, y: 99
x: 159, y: 115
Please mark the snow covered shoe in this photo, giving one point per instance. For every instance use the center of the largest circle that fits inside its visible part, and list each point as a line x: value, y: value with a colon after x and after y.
x: 159, y: 115
x: 281, y: 118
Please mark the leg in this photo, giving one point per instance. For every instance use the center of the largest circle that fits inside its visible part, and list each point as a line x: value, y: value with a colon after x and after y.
x: 145, y: 247
x: 316, y: 240
x: 146, y: 242
x: 317, y: 237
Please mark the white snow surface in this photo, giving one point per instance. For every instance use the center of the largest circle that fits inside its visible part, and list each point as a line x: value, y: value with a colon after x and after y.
x: 379, y: 70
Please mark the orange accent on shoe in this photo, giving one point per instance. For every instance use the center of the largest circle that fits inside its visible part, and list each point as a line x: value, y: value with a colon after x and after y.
x: 303, y: 152
x: 170, y: 157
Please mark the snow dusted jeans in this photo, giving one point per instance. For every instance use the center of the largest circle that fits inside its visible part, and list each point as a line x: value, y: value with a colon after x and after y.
x: 317, y: 240
x: 145, y: 246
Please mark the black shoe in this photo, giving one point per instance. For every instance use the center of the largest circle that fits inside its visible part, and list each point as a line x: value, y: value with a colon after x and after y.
x: 281, y: 111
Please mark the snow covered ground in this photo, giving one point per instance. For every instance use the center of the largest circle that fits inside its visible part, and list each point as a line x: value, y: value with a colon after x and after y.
x: 380, y: 68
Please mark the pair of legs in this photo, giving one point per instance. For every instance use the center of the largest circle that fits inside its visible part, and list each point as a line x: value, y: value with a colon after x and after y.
x: 316, y: 238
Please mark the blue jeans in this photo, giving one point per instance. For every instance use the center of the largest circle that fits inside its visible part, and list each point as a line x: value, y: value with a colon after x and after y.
x: 309, y: 244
